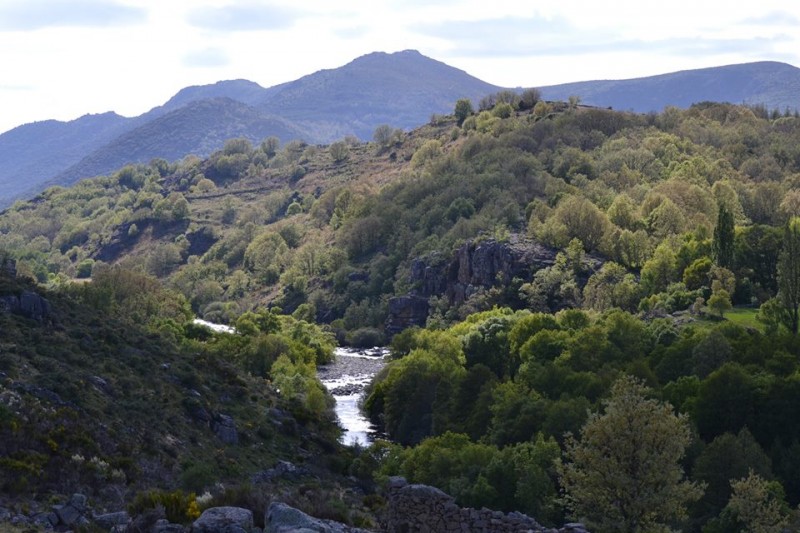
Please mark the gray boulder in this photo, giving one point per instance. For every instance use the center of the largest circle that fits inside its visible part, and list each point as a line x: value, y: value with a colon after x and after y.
x: 280, y: 518
x: 67, y: 514
x: 109, y: 520
x: 224, y: 520
x: 225, y: 429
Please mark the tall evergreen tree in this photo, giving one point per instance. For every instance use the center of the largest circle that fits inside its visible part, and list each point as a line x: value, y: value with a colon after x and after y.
x: 723, y: 238
x: 789, y: 274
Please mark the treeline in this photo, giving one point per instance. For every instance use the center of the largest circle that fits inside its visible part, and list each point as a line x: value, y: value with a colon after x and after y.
x: 484, y: 410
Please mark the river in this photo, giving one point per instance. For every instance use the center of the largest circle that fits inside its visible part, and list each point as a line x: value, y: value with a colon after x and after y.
x: 346, y: 379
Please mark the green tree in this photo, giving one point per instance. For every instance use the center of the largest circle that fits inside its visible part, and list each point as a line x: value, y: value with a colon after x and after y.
x: 463, y: 110
x: 758, y: 504
x: 339, y: 151
x: 624, y: 473
x: 722, y: 244
x: 789, y: 274
x: 720, y: 300
x: 383, y: 135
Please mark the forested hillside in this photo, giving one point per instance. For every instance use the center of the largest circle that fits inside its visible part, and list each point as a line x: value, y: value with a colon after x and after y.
x: 669, y: 251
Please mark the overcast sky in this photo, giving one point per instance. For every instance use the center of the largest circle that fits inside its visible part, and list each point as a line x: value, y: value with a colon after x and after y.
x: 64, y: 58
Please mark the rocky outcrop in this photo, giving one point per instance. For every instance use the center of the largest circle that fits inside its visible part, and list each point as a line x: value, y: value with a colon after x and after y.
x: 224, y: 520
x: 28, y: 304
x: 420, y: 508
x: 280, y: 518
x: 406, y: 312
x: 479, y: 264
x: 474, y: 266
x: 225, y: 429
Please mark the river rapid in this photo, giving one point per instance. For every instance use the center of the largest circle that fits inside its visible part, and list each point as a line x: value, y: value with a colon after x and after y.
x: 346, y: 379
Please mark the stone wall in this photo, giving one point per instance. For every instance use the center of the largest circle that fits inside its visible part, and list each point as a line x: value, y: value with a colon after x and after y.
x: 420, y: 508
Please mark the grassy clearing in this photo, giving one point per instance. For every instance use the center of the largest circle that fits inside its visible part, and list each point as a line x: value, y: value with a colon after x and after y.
x: 745, y: 317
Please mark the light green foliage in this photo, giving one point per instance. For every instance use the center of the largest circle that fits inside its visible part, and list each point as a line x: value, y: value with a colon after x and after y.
x: 339, y: 151
x: 720, y: 299
x: 426, y: 153
x: 623, y: 472
x: 660, y: 270
x: 624, y: 213
x: 266, y: 256
x: 611, y: 286
x: 581, y: 220
x: 758, y: 504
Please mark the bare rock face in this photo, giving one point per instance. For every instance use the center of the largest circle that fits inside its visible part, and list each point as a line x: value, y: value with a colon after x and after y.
x: 280, y: 518
x: 224, y: 520
x: 28, y: 304
x: 406, y: 312
x: 479, y: 264
x: 475, y: 265
x: 225, y: 429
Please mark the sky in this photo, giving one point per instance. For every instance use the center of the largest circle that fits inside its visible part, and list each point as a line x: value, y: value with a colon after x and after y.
x: 60, y: 59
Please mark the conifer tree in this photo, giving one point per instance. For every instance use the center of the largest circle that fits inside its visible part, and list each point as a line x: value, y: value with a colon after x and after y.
x: 723, y: 238
x: 623, y: 474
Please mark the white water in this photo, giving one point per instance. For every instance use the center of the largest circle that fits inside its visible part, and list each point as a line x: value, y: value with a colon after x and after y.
x: 346, y: 378
x: 218, y: 328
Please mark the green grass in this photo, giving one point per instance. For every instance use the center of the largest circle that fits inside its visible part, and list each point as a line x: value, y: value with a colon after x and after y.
x: 745, y: 317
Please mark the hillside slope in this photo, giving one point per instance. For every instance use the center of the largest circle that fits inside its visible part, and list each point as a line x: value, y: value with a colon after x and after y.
x: 197, y: 128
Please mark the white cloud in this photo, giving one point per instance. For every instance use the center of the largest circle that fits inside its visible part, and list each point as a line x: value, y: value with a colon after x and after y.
x: 26, y: 15
x: 209, y: 57
x: 248, y: 16
x: 72, y: 57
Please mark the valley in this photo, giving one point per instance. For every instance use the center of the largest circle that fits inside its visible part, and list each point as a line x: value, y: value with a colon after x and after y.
x: 591, y: 315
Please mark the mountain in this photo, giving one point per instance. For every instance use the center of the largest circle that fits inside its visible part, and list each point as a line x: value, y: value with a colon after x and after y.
x: 199, y: 127
x: 32, y: 153
x: 401, y: 89
x: 773, y: 84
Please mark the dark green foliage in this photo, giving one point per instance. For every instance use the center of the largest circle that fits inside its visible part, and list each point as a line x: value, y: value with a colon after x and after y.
x: 723, y: 242
x: 728, y: 457
x: 789, y: 275
x: 462, y: 110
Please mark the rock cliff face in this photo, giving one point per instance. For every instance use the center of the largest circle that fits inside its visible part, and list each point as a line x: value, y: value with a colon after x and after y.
x: 28, y: 304
x: 475, y: 265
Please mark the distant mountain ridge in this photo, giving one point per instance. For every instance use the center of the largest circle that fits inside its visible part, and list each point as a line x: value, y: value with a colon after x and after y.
x: 773, y: 84
x: 402, y: 89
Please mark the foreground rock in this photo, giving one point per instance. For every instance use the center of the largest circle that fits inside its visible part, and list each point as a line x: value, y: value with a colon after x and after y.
x: 224, y: 520
x: 424, y: 508
x: 281, y: 518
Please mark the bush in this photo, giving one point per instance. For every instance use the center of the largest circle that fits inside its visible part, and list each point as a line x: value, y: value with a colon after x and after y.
x: 366, y: 338
x: 179, y: 506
